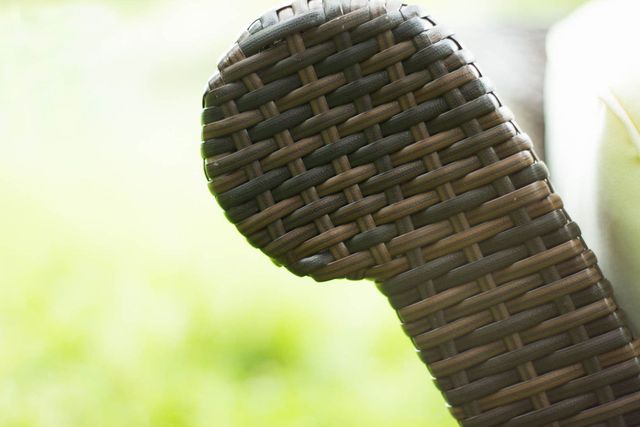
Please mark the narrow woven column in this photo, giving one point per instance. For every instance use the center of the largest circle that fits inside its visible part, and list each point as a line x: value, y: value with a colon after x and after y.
x: 361, y: 141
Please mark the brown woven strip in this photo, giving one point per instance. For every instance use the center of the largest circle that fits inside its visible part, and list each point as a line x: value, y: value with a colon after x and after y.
x: 358, y: 139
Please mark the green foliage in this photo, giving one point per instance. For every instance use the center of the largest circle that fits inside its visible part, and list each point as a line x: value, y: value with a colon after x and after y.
x: 126, y: 299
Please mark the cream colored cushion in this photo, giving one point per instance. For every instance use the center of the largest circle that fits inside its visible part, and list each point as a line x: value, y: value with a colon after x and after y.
x: 593, y: 140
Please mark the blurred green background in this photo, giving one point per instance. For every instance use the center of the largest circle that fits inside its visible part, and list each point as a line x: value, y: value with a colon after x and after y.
x: 126, y: 299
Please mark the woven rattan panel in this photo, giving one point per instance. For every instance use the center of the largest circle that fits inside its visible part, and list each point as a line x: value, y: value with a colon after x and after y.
x: 360, y: 140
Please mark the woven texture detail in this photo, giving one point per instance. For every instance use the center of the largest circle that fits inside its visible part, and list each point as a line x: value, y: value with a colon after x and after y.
x: 359, y: 140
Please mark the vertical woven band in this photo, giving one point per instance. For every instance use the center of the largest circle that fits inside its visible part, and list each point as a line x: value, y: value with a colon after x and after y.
x: 360, y: 140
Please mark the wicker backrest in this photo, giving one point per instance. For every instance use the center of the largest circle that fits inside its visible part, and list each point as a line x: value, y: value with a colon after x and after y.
x: 359, y: 139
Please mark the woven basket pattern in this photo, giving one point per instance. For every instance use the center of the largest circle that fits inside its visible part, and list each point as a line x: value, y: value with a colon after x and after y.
x: 360, y: 140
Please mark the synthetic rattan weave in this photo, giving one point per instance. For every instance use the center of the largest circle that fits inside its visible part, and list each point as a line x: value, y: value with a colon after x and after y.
x: 359, y: 139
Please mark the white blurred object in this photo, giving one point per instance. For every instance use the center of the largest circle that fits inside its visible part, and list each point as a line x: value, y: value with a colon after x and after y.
x: 593, y: 144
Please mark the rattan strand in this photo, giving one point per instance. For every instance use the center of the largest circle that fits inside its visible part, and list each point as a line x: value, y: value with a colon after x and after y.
x: 360, y: 140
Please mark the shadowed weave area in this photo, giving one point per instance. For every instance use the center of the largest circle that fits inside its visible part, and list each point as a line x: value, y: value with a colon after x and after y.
x: 360, y: 140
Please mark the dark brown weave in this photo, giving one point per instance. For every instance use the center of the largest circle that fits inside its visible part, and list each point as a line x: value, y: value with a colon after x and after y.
x: 360, y: 140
